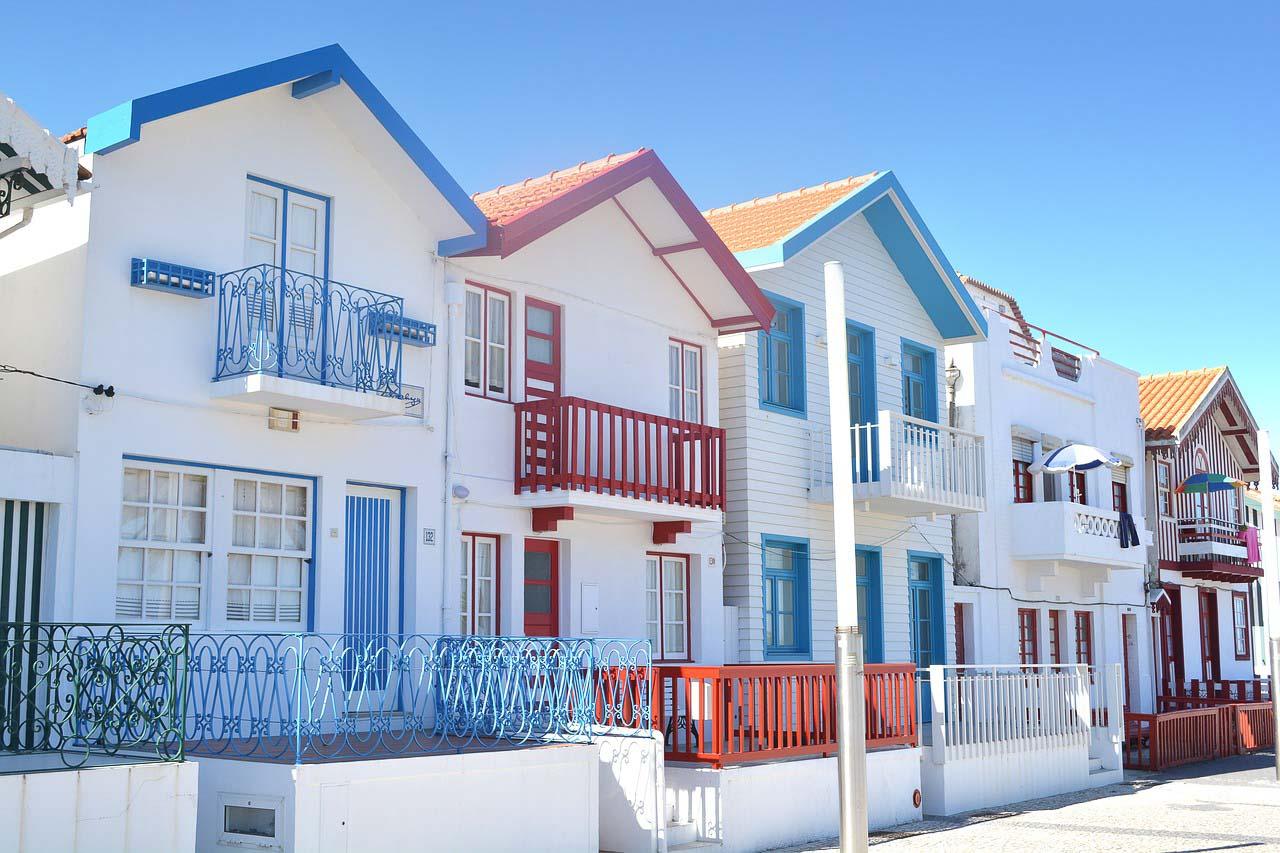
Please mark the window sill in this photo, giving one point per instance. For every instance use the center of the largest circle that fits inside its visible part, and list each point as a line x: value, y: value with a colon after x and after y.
x: 478, y: 396
x: 783, y: 410
x: 788, y: 657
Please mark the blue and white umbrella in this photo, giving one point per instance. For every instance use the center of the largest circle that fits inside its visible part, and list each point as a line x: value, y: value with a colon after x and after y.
x: 1073, y: 457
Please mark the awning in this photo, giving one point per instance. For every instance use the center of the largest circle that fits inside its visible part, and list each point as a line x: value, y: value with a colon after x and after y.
x: 35, y: 166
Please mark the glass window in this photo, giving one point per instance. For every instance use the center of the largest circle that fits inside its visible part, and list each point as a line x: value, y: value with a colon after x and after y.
x: 164, y: 536
x: 667, y: 605
x: 478, y: 596
x: 782, y: 374
x: 270, y: 541
x: 486, y: 325
x: 786, y: 596
x: 1240, y: 624
x: 1084, y: 637
x: 1023, y: 482
x: 684, y: 381
x: 1027, y: 636
x: 1164, y: 492
x: 869, y: 605
x: 919, y: 383
x: 1077, y: 481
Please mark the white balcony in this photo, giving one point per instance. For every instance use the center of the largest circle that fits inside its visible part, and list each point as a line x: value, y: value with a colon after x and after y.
x: 1059, y: 534
x: 1210, y: 538
x: 907, y: 467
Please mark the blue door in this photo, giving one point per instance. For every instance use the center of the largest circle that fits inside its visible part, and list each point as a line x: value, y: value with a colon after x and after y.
x: 862, y: 402
x: 371, y: 603
x: 870, y: 608
x: 924, y: 597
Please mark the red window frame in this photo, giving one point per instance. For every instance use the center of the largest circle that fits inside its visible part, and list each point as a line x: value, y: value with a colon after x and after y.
x: 551, y: 547
x: 1240, y: 632
x: 688, y: 607
x: 536, y: 371
x: 1164, y: 490
x: 1210, y: 667
x: 1023, y: 482
x: 1028, y: 639
x: 1084, y: 637
x: 1172, y: 669
x: 469, y: 538
x: 1119, y: 496
x: 682, y: 345
x: 1078, y: 487
x: 962, y: 650
x: 483, y: 391
x: 1055, y: 636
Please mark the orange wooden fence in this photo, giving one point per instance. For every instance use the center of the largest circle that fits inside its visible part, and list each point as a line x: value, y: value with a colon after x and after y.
x: 1159, y: 741
x: 746, y: 713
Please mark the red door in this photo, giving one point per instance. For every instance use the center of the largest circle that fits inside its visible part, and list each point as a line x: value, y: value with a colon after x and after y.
x: 541, y: 588
x: 542, y: 349
x: 1209, y: 634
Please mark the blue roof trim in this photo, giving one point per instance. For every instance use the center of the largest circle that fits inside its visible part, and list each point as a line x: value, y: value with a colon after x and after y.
x: 314, y: 71
x: 944, y: 297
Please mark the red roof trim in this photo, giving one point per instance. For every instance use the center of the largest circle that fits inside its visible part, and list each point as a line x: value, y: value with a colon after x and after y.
x: 507, y: 239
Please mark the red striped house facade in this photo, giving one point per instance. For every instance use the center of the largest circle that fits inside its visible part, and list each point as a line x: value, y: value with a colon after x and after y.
x: 1198, y: 422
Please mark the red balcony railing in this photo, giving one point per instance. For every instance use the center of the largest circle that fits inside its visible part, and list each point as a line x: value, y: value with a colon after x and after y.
x: 722, y: 715
x: 570, y: 443
x: 1159, y: 741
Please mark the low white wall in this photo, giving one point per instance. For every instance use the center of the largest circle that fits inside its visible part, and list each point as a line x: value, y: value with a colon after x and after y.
x: 762, y: 806
x: 531, y: 799
x: 964, y: 784
x: 130, y: 808
x: 631, y: 798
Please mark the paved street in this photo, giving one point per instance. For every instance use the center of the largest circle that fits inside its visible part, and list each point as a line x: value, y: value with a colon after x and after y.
x: 1232, y: 804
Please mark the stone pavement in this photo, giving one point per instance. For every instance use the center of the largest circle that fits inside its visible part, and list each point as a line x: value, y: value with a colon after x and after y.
x: 1232, y: 804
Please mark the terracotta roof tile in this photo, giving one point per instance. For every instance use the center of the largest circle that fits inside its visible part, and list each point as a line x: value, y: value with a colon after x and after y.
x: 1168, y: 399
x: 511, y: 201
x: 764, y: 221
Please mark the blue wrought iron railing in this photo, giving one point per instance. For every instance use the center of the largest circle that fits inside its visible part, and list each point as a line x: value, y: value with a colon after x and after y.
x: 302, y: 326
x: 92, y: 690
x: 316, y: 697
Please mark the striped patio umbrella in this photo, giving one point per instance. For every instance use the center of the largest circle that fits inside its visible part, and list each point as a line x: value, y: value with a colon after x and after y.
x: 1206, y: 483
x: 1073, y: 457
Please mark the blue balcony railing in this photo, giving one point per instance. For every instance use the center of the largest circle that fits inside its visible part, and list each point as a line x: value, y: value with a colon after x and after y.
x: 86, y: 691
x: 315, y: 697
x: 301, y: 326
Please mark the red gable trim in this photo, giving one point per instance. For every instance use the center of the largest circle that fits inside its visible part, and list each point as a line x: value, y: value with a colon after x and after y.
x: 505, y: 240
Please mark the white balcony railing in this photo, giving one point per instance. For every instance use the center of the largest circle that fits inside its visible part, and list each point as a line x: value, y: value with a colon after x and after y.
x: 1066, y: 532
x: 907, y: 466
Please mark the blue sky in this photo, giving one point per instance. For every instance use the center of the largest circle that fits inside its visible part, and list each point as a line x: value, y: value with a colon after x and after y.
x: 1113, y: 165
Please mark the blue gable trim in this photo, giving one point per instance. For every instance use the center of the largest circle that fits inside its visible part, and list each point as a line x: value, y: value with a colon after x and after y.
x: 952, y: 310
x: 311, y: 72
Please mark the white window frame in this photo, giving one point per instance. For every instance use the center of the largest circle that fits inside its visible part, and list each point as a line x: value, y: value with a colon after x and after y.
x: 216, y: 549
x: 469, y: 601
x: 685, y: 401
x: 257, y: 550
x: 487, y: 297
x: 148, y: 545
x: 236, y: 839
x: 656, y: 593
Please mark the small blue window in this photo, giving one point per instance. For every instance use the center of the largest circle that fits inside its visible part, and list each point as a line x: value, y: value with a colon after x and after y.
x: 919, y: 382
x: 786, y: 597
x: 870, y: 606
x: 782, y: 359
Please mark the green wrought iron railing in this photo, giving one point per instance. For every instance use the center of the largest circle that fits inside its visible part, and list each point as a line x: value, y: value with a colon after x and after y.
x: 81, y: 690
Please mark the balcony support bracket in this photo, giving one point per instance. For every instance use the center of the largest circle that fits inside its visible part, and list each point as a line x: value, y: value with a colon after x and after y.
x: 546, y: 518
x: 665, y: 532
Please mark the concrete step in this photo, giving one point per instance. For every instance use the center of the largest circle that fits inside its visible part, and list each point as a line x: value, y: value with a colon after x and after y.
x: 680, y: 833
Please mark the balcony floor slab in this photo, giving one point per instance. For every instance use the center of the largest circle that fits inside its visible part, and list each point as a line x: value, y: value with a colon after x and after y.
x: 589, y: 505
x: 310, y: 397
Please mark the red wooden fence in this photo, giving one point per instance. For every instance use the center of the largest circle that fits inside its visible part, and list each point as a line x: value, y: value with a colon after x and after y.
x: 571, y: 443
x: 745, y: 713
x: 1159, y: 741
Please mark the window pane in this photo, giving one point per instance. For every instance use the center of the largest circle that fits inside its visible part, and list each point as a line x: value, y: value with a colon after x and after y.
x: 539, y: 319
x: 129, y: 566
x: 133, y: 523
x: 137, y: 485
x: 537, y: 598
x: 497, y: 369
x: 472, y: 364
x: 262, y: 216
x: 242, y: 531
x: 192, y: 527
x: 186, y: 566
x: 295, y: 500
x: 673, y: 403
x: 164, y: 525
x: 538, y: 349
x: 673, y: 364
x: 246, y: 495
x: 537, y: 566
x: 692, y: 371
x: 261, y: 252
x: 238, y: 569
x: 164, y: 488
x: 302, y: 227
x: 474, y: 314
x: 194, y: 490
x: 497, y: 320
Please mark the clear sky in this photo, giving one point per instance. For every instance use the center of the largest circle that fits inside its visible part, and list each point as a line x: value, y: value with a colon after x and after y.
x: 1114, y: 165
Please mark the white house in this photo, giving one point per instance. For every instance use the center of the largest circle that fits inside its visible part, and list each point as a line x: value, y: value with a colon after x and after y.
x: 1045, y: 579
x: 912, y: 469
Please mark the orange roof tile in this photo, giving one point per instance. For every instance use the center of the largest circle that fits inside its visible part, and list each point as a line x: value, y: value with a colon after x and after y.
x: 511, y: 201
x: 1168, y: 399
x: 764, y: 221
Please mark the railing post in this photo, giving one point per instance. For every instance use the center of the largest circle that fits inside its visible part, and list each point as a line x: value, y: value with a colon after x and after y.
x: 297, y: 710
x: 938, y: 713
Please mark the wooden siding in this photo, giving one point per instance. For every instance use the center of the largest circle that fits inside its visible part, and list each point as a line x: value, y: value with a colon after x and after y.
x: 768, y: 452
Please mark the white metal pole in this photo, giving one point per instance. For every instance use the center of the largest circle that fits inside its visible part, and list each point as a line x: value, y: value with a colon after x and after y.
x: 1270, y: 576
x: 851, y: 696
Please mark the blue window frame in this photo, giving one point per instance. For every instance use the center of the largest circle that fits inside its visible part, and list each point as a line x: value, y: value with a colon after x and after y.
x: 861, y: 342
x: 782, y: 379
x: 919, y: 381
x: 870, y: 604
x: 786, y: 597
x: 928, y: 617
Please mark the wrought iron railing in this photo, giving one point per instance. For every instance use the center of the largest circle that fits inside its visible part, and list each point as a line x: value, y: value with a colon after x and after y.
x: 302, y: 326
x: 84, y: 690
x: 314, y: 697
